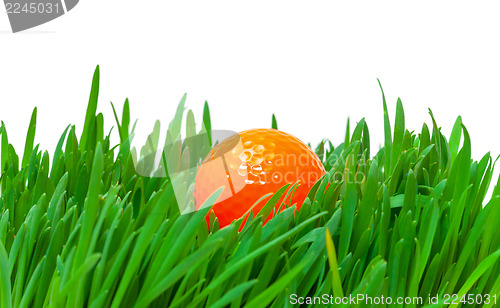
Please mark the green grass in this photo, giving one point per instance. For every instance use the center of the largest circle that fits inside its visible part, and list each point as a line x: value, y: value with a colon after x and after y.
x: 83, y: 229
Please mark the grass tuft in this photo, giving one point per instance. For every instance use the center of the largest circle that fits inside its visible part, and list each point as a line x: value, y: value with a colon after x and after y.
x: 83, y: 229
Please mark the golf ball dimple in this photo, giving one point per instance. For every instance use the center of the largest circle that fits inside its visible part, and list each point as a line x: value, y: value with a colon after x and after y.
x: 262, y: 162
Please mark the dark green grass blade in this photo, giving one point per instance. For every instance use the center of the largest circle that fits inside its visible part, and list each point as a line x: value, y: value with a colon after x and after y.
x: 207, y: 122
x: 274, y: 123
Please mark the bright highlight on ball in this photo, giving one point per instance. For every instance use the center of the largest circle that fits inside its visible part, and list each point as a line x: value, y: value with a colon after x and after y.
x: 252, y: 164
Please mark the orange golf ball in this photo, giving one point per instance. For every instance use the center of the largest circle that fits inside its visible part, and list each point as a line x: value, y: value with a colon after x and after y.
x: 252, y: 164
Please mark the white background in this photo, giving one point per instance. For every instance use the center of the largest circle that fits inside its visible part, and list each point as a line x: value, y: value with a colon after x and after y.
x: 313, y: 63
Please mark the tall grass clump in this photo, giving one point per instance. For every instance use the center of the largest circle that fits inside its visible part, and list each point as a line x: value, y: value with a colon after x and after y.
x: 81, y: 228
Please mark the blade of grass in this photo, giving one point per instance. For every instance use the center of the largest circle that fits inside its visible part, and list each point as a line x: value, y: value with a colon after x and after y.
x: 234, y: 293
x: 399, y: 130
x: 476, y: 274
x: 30, y: 139
x: 387, y: 134
x: 334, y: 267
x: 456, y: 134
x: 5, y: 287
x: 266, y: 297
x: 274, y: 123
x: 91, y: 110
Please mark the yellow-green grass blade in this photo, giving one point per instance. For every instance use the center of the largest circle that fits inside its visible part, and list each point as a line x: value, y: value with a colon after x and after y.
x: 334, y: 267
